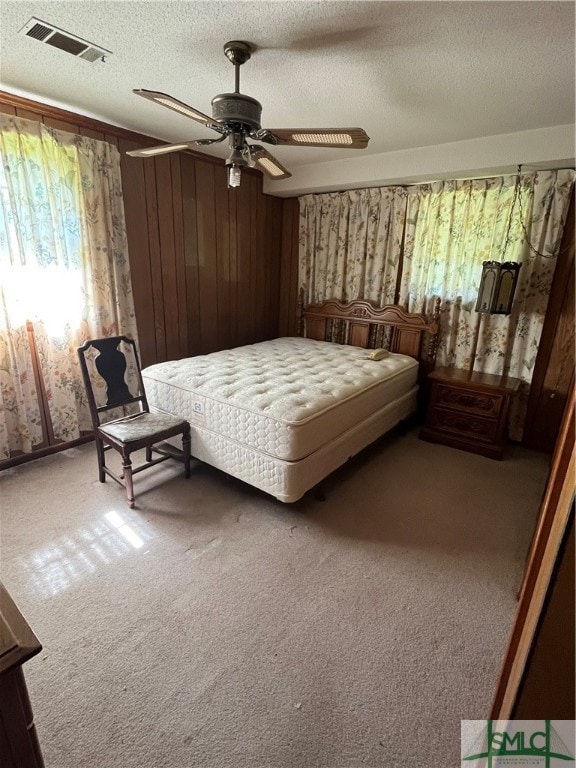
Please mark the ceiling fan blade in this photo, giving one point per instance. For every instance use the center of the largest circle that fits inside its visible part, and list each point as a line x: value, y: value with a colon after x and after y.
x: 166, y: 100
x: 161, y: 149
x: 267, y: 163
x: 345, y: 138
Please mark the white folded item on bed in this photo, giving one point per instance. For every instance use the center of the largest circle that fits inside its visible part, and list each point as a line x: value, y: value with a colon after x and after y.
x: 282, y: 414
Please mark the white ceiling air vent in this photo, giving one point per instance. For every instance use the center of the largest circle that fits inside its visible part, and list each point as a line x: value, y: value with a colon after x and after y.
x: 48, y: 33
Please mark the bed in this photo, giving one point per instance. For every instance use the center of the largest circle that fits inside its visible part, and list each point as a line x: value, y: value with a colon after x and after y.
x: 283, y: 414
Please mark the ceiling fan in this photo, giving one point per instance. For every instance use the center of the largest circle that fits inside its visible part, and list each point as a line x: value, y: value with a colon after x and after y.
x: 236, y: 117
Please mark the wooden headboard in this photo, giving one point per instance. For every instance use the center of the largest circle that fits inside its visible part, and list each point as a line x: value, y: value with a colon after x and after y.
x: 361, y: 324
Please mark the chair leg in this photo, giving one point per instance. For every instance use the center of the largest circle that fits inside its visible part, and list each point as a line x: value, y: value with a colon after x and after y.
x: 101, y: 459
x: 128, y: 480
x: 186, y: 441
x: 148, y: 453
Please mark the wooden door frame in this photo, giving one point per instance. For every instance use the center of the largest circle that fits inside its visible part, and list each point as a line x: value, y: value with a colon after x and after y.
x: 553, y: 518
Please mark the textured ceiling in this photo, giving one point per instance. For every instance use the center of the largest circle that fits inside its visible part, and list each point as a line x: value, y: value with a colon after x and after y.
x: 412, y: 74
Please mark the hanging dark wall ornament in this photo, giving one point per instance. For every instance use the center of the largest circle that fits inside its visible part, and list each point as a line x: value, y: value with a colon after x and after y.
x: 488, y: 282
x: 505, y: 288
x: 497, y: 287
x: 495, y: 295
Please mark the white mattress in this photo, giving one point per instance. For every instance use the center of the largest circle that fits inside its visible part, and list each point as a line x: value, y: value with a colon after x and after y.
x: 288, y: 481
x: 284, y: 398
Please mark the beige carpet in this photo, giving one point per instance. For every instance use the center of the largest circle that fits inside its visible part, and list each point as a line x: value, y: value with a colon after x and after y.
x: 213, y: 626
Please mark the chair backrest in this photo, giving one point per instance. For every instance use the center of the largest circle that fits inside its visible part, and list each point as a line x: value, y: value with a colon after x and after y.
x: 111, y: 358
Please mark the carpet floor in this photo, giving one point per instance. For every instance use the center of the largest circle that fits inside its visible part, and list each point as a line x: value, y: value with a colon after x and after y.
x: 212, y: 626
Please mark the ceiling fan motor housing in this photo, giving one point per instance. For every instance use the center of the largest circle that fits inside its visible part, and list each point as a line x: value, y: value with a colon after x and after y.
x: 237, y: 109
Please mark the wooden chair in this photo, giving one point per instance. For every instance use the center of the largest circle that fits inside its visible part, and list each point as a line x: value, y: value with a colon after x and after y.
x: 112, y: 357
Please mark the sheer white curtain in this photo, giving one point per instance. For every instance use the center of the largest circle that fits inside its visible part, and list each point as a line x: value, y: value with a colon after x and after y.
x: 351, y: 244
x: 63, y: 269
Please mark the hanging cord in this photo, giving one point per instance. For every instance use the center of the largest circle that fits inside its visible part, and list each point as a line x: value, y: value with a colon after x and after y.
x: 533, y: 251
x: 509, y: 227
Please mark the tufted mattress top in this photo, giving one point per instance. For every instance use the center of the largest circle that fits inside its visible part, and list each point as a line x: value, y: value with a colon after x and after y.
x: 286, y: 397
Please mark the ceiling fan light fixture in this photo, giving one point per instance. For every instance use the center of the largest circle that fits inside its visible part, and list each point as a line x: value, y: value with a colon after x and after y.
x: 237, y: 157
x: 234, y: 164
x: 234, y: 175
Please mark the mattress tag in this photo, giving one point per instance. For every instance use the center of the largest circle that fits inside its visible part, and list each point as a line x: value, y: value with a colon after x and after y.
x: 198, y: 411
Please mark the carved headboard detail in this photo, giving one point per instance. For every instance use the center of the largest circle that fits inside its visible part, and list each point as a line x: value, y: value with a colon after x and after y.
x: 361, y: 324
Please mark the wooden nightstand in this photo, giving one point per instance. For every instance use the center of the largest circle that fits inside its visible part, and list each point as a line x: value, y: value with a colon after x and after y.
x: 469, y: 410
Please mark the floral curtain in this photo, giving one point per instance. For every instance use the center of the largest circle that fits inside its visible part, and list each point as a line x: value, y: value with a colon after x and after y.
x: 350, y: 244
x: 452, y: 227
x: 431, y: 239
x: 64, y: 273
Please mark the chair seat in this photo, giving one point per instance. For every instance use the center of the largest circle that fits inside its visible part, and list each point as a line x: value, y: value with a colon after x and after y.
x: 142, y: 425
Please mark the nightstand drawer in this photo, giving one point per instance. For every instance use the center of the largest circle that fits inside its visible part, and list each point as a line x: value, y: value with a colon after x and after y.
x: 463, y: 424
x: 480, y: 403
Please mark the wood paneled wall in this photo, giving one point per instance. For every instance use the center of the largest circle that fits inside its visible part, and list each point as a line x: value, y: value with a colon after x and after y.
x: 205, y: 260
x: 287, y: 316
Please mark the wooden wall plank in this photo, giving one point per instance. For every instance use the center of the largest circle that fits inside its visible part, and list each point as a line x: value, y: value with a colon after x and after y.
x: 158, y: 298
x: 274, y: 247
x: 243, y: 254
x: 167, y: 262
x: 289, y: 267
x: 28, y: 114
x: 268, y: 255
x: 293, y: 275
x: 190, y: 231
x: 99, y: 136
x: 207, y: 257
x: 61, y: 125
x: 135, y: 212
x: 252, y: 189
x: 261, y: 268
x: 269, y: 258
x: 224, y: 339
x: 283, y: 321
x: 177, y: 202
x: 233, y: 262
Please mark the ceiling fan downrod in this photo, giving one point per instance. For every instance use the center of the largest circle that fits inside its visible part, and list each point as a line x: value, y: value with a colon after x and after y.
x: 238, y: 53
x: 240, y: 112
